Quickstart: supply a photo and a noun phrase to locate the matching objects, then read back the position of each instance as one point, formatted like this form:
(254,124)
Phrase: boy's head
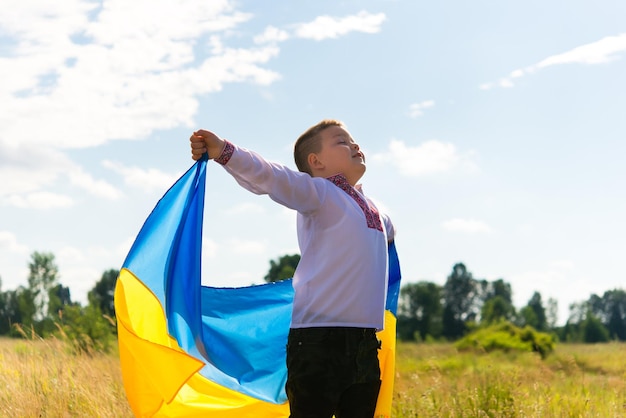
(311,142)
(327,149)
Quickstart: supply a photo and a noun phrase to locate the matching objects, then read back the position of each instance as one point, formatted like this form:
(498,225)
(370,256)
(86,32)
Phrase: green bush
(506,337)
(86,329)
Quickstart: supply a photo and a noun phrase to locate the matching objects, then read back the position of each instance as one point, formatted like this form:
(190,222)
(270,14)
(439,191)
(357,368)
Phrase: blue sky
(494,131)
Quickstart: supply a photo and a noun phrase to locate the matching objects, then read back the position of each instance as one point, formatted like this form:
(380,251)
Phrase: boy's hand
(204,141)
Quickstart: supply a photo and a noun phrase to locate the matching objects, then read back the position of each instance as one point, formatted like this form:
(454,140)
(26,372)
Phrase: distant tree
(490,290)
(497,301)
(4,322)
(616,309)
(577,312)
(102,293)
(282,269)
(459,294)
(527,316)
(610,310)
(496,309)
(539,320)
(419,311)
(503,289)
(58,297)
(3,303)
(86,329)
(10,313)
(41,278)
(552,313)
(593,330)
(572,331)
(26,307)
(595,305)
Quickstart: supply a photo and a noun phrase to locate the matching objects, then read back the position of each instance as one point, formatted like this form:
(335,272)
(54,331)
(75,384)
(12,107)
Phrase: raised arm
(290,188)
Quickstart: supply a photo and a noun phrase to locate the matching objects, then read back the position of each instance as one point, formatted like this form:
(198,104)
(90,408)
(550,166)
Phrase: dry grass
(575,381)
(43,379)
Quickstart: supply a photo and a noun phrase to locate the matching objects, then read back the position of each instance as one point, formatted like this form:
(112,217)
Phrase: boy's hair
(309,142)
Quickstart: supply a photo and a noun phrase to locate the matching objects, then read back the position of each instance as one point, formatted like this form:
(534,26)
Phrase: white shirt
(341,279)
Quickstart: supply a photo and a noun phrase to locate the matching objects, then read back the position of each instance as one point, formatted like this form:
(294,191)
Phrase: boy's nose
(355,146)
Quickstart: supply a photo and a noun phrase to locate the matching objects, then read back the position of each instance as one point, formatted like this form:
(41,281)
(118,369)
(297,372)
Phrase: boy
(340,283)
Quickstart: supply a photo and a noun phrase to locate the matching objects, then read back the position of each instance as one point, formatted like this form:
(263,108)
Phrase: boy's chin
(362,170)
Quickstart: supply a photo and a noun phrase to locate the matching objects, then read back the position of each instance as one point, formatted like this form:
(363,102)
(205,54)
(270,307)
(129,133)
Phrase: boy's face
(339,155)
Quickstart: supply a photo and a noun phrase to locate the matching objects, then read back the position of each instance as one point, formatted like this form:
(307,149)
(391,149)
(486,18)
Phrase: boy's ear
(314,161)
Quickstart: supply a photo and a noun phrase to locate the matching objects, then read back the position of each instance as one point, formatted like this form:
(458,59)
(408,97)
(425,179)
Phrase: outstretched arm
(205,141)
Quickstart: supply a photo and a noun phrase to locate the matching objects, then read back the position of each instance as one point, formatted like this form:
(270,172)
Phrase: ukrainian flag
(190,350)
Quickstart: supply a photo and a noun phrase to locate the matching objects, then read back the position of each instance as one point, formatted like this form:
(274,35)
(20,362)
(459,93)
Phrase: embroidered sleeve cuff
(227,152)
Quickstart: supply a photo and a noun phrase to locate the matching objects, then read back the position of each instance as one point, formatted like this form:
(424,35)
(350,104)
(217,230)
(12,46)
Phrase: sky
(495,132)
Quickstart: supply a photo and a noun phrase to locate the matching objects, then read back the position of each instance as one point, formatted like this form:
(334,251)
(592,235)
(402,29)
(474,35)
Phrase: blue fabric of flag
(237,331)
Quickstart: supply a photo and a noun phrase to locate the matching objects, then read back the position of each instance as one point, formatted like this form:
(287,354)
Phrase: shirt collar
(339,180)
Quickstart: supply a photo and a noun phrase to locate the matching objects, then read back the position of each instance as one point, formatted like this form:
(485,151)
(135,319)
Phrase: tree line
(427,311)
(44,308)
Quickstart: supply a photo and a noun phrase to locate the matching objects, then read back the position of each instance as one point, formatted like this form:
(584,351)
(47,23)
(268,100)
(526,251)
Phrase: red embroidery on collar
(226,153)
(371,214)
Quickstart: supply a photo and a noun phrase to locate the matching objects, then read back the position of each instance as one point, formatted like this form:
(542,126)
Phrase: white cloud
(12,272)
(40,200)
(271,35)
(417,109)
(471,226)
(325,27)
(23,169)
(134,61)
(120,20)
(235,65)
(32,170)
(125,68)
(246,208)
(603,51)
(129,68)
(9,244)
(239,246)
(78,177)
(146,180)
(431,157)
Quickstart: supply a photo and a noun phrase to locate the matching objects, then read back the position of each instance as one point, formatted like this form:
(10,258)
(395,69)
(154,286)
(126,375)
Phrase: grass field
(574,381)
(43,379)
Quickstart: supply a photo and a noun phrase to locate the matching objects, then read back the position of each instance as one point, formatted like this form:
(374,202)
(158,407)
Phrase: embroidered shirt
(341,279)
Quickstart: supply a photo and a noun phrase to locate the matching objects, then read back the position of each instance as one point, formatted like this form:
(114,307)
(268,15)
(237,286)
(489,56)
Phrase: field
(42,379)
(574,381)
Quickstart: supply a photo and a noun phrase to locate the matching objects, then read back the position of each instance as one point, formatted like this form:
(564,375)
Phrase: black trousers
(332,371)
